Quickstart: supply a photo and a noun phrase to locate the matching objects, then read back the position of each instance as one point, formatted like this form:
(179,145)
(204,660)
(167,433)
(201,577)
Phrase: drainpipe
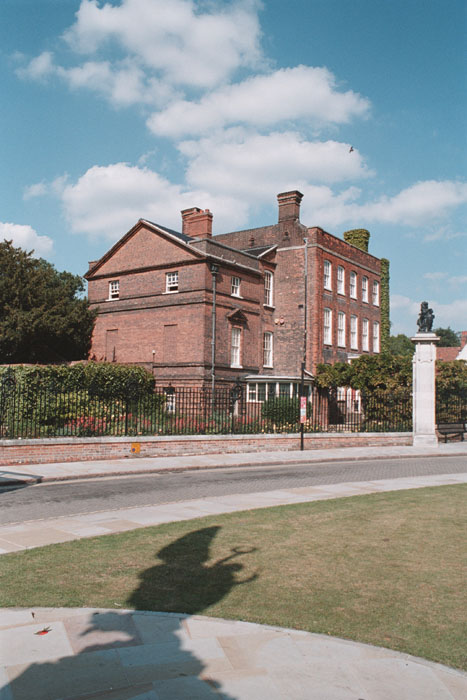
(305,302)
(214,271)
(305,336)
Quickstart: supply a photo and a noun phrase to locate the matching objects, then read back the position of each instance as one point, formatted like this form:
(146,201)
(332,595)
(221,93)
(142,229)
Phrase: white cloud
(38,68)
(24,236)
(420,204)
(233,180)
(435,276)
(443,233)
(254,167)
(123,83)
(263,100)
(188,43)
(438,276)
(107,201)
(42,189)
(39,189)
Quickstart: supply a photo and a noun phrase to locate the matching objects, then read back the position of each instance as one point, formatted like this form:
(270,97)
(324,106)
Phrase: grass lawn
(388,569)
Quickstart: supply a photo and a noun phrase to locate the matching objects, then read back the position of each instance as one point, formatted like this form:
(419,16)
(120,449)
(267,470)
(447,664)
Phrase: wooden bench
(452,429)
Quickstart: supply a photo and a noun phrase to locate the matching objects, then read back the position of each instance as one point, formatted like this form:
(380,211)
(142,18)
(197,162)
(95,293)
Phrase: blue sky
(127,109)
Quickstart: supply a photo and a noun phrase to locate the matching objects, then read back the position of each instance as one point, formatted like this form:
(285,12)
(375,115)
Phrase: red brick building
(458,352)
(276,296)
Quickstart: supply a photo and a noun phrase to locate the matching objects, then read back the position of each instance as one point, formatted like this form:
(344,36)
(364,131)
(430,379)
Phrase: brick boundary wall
(45,451)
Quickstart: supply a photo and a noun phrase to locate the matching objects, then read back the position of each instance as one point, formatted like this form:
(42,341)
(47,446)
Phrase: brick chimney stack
(289,205)
(463,339)
(197,222)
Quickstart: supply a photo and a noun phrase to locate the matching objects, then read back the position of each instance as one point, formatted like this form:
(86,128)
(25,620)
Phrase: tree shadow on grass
(122,655)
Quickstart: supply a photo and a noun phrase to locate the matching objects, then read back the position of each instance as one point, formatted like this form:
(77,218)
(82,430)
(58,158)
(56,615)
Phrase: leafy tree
(42,317)
(368,373)
(401,345)
(448,337)
(451,376)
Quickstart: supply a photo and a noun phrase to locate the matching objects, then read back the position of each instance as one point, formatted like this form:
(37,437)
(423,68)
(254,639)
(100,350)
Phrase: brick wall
(171,333)
(17,452)
(325,247)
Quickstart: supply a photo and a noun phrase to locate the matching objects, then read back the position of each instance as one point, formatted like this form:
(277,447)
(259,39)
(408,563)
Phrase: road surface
(54,499)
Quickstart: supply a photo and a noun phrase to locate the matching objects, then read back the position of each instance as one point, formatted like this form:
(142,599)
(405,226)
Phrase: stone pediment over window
(237,316)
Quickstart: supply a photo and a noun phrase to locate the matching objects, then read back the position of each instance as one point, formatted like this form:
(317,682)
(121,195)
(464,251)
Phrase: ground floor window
(262,391)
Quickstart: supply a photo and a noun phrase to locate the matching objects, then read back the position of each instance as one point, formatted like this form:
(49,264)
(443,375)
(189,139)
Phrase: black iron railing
(52,412)
(451,406)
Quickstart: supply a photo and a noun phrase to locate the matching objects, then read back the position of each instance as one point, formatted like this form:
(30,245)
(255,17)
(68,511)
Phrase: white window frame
(114,290)
(327,275)
(365,331)
(376,337)
(268,288)
(258,392)
(236,347)
(353,285)
(375,293)
(341,329)
(327,326)
(340,280)
(354,332)
(235,286)
(252,392)
(365,289)
(268,349)
(171,282)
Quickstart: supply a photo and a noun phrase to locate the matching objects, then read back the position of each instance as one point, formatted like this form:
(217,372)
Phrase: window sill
(174,291)
(269,306)
(236,366)
(268,366)
(236,296)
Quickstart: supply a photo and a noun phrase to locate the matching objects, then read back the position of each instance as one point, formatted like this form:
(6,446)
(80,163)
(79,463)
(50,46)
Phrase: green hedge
(99,379)
(282,410)
(84,398)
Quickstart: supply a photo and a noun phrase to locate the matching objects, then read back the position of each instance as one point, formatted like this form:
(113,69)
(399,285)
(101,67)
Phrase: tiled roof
(182,236)
(257,251)
(447,354)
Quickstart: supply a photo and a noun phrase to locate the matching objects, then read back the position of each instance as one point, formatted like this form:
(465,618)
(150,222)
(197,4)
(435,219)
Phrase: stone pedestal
(424,390)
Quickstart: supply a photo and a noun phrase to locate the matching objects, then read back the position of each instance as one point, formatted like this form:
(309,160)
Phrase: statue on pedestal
(425,319)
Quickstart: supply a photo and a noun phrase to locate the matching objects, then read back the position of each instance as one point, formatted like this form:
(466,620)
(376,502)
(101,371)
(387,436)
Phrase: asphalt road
(84,496)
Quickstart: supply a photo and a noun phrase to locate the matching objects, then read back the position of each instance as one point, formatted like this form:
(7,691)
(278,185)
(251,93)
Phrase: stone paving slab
(38,533)
(98,654)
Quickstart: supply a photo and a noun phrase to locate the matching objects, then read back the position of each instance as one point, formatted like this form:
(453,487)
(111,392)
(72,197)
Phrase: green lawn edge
(386,569)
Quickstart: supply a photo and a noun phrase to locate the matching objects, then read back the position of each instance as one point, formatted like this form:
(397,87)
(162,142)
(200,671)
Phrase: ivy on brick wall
(385,321)
(358,237)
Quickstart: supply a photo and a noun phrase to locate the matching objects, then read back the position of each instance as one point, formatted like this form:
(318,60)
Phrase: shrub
(282,410)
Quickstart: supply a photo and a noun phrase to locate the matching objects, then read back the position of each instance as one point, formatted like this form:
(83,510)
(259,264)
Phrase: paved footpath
(127,655)
(85,654)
